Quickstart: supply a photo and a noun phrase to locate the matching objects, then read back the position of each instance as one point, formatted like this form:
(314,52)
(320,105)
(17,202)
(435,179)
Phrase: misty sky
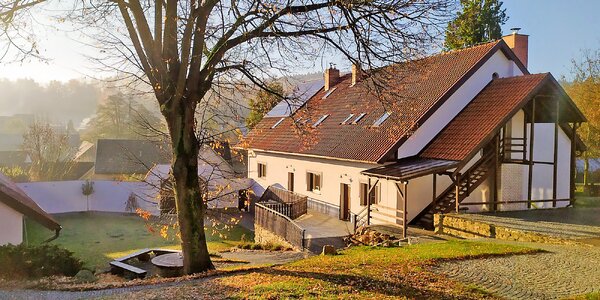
(557,29)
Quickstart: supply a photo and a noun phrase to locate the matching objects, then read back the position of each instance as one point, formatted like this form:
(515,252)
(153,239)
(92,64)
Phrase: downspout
(56,234)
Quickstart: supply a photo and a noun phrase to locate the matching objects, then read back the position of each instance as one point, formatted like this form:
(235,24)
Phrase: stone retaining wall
(264,236)
(457,226)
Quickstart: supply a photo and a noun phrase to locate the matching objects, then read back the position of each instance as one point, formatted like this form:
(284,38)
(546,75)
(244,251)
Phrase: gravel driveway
(560,272)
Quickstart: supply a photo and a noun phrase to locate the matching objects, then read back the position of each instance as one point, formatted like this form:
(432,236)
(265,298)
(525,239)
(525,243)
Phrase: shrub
(37,261)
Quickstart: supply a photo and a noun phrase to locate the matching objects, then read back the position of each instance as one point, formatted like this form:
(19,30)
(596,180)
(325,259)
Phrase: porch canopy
(409,168)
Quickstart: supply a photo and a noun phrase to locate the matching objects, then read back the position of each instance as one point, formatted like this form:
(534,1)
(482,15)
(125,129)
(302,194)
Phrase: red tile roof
(490,109)
(412,91)
(14,197)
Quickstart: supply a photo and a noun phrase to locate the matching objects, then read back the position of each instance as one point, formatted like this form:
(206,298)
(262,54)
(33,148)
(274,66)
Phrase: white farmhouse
(466,130)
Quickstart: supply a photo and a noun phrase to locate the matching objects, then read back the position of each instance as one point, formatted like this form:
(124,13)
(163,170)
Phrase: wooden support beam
(572,170)
(404,210)
(496,185)
(369,203)
(400,191)
(457,193)
(371,187)
(555,159)
(530,169)
(524,136)
(434,197)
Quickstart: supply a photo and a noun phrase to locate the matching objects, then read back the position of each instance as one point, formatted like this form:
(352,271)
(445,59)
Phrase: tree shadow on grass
(399,285)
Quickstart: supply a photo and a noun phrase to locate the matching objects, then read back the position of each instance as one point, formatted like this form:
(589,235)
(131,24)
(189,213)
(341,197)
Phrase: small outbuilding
(15,207)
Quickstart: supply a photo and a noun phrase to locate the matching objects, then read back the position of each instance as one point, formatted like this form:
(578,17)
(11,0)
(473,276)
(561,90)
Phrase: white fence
(111,196)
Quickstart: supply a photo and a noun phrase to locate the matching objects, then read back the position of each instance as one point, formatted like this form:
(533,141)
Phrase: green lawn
(98,238)
(357,273)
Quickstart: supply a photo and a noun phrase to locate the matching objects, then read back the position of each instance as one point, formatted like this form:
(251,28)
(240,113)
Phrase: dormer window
(329,92)
(381,119)
(277,123)
(359,118)
(347,119)
(320,120)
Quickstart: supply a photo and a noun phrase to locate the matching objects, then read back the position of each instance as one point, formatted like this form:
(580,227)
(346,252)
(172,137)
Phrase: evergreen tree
(118,117)
(479,21)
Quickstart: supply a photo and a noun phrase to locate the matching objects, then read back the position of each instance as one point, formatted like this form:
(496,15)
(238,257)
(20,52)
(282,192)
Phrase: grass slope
(99,238)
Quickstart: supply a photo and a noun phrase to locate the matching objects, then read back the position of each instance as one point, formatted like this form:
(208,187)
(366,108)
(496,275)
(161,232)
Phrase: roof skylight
(320,120)
(277,123)
(382,119)
(359,118)
(329,92)
(347,119)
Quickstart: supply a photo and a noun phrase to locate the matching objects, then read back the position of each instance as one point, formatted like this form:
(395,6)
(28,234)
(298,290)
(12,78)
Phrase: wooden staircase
(446,201)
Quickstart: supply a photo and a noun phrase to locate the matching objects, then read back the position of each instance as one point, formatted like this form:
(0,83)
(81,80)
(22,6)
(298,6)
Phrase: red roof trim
(501,45)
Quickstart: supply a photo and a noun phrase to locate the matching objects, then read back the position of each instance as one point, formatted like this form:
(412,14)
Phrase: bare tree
(52,156)
(193,53)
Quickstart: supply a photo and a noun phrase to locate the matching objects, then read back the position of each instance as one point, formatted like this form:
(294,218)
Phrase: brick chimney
(519,43)
(332,76)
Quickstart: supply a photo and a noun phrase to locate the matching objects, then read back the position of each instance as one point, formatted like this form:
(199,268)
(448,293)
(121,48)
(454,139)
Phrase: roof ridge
(460,49)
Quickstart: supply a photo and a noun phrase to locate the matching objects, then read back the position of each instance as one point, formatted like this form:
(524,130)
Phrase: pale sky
(558,31)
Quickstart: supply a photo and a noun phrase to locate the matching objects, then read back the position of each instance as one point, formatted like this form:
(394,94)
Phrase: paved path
(562,271)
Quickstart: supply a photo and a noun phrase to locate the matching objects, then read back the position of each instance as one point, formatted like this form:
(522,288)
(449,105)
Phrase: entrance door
(344,202)
(290,181)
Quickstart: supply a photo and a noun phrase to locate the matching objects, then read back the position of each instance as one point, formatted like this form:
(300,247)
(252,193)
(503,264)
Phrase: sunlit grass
(99,238)
(365,272)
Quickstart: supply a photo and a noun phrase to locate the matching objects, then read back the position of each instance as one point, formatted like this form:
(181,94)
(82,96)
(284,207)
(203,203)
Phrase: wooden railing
(280,225)
(360,219)
(510,145)
(285,202)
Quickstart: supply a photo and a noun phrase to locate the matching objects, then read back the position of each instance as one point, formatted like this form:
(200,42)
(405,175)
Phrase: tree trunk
(586,170)
(188,195)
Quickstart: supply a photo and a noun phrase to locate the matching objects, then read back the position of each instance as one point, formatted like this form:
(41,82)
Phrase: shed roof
(409,168)
(117,156)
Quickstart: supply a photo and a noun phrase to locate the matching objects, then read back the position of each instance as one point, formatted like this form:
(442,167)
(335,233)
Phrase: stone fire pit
(169,265)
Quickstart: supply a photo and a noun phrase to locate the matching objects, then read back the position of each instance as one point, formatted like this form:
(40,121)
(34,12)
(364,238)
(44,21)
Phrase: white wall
(497,63)
(109,196)
(543,151)
(334,173)
(11,225)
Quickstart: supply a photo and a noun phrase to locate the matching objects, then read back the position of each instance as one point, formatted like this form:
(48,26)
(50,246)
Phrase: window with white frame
(314,181)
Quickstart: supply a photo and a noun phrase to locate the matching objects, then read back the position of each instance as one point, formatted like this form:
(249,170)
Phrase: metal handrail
(280,214)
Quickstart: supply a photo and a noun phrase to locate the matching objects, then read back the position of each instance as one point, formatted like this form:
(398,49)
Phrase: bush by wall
(37,261)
